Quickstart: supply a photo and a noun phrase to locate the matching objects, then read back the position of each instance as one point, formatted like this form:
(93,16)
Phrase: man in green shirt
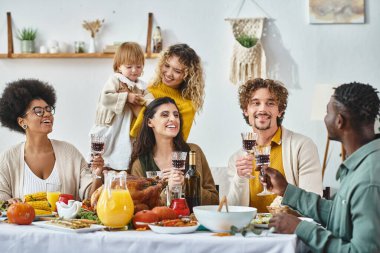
(351,221)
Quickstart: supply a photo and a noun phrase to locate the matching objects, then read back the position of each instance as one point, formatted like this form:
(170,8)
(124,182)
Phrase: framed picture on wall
(336,11)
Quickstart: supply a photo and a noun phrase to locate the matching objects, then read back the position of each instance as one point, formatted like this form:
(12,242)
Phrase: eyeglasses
(40,111)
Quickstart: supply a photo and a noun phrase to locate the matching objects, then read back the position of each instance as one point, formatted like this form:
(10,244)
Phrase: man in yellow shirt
(263,102)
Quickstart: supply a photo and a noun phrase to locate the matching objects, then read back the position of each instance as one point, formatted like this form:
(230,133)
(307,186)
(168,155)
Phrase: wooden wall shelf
(65,55)
(12,55)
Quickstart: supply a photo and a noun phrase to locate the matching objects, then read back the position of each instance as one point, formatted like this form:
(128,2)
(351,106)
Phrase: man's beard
(266,127)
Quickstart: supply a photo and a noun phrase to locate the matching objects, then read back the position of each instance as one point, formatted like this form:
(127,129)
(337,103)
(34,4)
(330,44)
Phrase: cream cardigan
(301,166)
(112,102)
(69,162)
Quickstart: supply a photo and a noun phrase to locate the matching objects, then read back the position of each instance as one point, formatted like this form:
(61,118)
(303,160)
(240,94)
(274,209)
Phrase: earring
(24,127)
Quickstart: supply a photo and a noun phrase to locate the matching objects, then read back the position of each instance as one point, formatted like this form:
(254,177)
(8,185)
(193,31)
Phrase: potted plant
(246,40)
(27,36)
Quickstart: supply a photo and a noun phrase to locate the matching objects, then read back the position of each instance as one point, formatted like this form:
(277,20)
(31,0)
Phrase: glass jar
(115,206)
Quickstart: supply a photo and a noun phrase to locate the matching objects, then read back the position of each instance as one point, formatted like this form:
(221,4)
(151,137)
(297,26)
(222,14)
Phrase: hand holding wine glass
(178,162)
(97,149)
(249,143)
(262,156)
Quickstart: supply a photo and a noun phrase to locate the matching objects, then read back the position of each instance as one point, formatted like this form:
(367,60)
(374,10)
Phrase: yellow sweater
(261,202)
(185,107)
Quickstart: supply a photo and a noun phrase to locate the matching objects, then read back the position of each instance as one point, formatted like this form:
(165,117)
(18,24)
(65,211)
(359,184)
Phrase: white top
(69,162)
(33,184)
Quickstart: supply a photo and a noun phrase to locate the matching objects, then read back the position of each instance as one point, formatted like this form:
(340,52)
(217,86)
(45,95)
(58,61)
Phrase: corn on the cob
(42,212)
(42,205)
(35,196)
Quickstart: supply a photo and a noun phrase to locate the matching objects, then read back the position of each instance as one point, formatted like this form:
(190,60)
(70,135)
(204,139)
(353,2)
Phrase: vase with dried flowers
(93,27)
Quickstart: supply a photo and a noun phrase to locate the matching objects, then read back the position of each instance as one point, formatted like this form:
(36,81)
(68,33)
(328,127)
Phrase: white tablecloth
(16,238)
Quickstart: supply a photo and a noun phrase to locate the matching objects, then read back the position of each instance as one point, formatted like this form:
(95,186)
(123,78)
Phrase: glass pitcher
(115,206)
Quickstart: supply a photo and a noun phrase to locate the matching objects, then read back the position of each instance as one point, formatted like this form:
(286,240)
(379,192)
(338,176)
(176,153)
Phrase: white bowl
(215,221)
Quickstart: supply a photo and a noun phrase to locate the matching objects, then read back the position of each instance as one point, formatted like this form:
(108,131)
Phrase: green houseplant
(27,36)
(246,40)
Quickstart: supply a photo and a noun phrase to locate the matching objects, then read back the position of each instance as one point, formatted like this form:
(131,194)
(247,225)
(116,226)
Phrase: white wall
(299,54)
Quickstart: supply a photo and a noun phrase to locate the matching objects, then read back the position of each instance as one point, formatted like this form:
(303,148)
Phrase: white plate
(48,225)
(37,218)
(173,230)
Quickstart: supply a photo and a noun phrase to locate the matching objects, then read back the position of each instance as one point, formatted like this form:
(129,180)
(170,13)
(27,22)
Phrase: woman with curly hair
(161,135)
(27,106)
(179,75)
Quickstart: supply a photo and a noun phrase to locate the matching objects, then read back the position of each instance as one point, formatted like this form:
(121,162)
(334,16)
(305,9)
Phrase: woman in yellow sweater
(179,75)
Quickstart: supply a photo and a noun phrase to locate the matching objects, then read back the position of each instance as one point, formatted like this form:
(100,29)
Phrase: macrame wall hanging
(248,58)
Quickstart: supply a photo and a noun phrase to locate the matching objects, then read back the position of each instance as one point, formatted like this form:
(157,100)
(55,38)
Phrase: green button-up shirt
(351,221)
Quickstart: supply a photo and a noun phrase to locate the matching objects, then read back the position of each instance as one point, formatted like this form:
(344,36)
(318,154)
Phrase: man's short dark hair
(360,100)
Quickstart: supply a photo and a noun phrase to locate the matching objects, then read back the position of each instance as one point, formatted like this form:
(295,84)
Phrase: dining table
(32,238)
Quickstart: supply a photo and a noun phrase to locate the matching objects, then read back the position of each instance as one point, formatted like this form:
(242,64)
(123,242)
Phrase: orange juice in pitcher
(115,205)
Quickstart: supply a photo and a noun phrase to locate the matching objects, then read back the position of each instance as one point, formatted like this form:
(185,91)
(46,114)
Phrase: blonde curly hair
(193,84)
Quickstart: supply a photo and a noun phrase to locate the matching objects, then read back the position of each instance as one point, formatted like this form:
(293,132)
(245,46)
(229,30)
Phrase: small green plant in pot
(246,40)
(27,37)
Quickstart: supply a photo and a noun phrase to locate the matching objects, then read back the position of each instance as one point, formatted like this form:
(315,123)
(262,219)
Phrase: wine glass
(178,162)
(262,157)
(154,174)
(97,148)
(249,143)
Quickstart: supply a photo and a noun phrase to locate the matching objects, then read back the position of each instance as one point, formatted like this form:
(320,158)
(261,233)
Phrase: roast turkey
(145,192)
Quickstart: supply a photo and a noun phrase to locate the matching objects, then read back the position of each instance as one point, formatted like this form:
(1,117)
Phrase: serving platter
(173,230)
(262,220)
(48,225)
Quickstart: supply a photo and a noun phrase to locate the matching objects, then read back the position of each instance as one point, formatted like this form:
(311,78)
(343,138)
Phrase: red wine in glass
(262,160)
(97,147)
(248,145)
(262,156)
(178,164)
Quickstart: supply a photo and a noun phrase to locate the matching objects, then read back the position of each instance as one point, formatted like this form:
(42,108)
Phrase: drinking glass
(97,148)
(249,143)
(52,194)
(178,162)
(180,206)
(115,205)
(154,174)
(262,156)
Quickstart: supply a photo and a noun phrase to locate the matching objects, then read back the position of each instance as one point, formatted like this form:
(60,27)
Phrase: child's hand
(134,98)
(123,89)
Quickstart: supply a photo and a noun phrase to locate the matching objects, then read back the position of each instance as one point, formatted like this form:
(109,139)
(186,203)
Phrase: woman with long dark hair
(160,135)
